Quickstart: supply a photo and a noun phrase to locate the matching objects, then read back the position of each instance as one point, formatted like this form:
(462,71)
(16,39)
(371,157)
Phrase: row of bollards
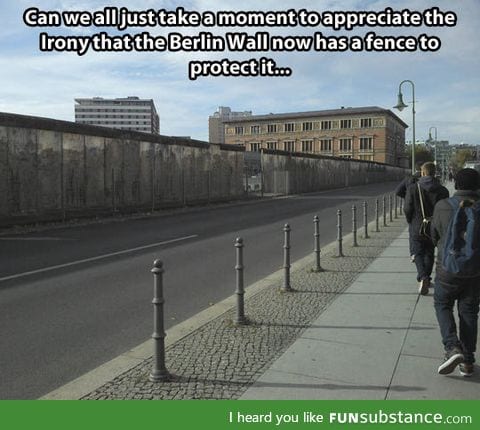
(159,371)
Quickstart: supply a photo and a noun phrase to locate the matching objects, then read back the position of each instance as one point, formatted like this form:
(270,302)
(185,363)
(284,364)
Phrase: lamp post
(400,106)
(435,144)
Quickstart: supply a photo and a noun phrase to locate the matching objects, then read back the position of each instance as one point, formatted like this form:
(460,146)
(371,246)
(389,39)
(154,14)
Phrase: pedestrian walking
(401,191)
(420,199)
(456,233)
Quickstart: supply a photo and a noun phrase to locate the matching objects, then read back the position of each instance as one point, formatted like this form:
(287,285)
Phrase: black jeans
(466,292)
(424,252)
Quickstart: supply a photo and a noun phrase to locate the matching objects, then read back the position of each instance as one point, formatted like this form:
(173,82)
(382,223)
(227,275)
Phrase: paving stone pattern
(220,360)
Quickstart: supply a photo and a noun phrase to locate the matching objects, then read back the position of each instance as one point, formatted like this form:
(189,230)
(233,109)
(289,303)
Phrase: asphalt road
(74,298)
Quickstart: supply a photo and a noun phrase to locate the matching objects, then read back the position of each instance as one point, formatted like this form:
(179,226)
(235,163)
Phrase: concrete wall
(285,173)
(52,168)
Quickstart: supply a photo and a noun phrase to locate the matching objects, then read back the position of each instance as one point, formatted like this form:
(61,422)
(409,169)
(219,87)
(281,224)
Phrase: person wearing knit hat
(451,288)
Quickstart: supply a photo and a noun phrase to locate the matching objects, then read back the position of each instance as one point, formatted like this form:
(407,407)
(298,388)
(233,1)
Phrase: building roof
(324,113)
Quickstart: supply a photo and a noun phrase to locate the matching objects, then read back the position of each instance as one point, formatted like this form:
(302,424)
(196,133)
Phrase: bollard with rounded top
(390,208)
(354,225)
(316,241)
(286,259)
(384,211)
(365,220)
(401,206)
(240,290)
(159,372)
(396,206)
(339,233)
(376,216)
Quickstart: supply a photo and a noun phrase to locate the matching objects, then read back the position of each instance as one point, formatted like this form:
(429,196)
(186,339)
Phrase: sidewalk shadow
(332,386)
(358,327)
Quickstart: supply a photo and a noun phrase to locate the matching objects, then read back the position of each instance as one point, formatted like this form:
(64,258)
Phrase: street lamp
(400,106)
(435,144)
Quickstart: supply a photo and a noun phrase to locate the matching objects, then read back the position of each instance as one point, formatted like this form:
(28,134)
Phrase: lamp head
(400,104)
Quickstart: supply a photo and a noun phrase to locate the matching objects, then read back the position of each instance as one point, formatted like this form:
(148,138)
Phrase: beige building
(365,133)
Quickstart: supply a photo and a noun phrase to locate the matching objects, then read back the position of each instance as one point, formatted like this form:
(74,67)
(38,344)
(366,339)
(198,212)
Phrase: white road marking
(99,257)
(35,238)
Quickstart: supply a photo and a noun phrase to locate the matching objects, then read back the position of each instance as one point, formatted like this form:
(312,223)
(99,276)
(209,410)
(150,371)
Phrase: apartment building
(129,113)
(216,132)
(365,133)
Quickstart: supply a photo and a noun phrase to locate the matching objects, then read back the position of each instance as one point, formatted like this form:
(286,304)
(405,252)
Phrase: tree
(460,158)
(422,154)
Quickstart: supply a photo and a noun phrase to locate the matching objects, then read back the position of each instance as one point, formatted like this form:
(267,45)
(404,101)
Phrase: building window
(307,145)
(255,129)
(255,147)
(289,127)
(366,123)
(289,145)
(326,145)
(326,125)
(366,144)
(346,123)
(345,145)
(271,145)
(239,130)
(307,126)
(272,128)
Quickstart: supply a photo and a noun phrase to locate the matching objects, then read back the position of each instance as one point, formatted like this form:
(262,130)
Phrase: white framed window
(307,126)
(271,145)
(289,145)
(239,129)
(366,144)
(345,123)
(345,144)
(254,129)
(307,145)
(325,145)
(289,126)
(272,128)
(366,123)
(326,125)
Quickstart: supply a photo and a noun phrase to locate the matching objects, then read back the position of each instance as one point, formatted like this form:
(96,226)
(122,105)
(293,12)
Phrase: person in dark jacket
(450,288)
(400,191)
(422,246)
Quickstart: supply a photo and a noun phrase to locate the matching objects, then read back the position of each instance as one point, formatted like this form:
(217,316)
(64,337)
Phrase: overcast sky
(447,82)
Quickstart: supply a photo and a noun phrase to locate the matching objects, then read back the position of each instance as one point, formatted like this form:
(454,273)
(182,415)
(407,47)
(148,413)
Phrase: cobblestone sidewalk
(220,360)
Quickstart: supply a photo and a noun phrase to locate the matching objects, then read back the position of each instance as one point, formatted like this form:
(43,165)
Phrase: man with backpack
(420,199)
(456,232)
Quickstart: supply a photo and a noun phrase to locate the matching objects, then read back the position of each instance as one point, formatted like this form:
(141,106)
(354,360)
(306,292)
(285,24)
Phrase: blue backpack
(461,252)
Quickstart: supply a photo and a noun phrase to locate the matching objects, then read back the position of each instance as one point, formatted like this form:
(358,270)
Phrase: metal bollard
(159,372)
(390,208)
(384,211)
(339,233)
(354,225)
(316,241)
(401,206)
(396,207)
(365,220)
(286,259)
(376,216)
(240,290)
